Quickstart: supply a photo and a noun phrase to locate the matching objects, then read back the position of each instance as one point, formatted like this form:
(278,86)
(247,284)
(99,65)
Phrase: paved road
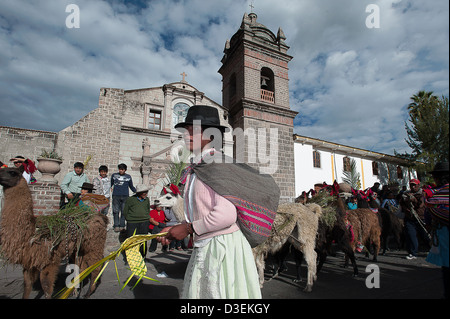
(399,279)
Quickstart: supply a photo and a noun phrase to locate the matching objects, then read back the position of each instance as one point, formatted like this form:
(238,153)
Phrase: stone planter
(48,167)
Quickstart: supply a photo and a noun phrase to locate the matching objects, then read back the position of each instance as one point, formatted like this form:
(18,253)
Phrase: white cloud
(350,84)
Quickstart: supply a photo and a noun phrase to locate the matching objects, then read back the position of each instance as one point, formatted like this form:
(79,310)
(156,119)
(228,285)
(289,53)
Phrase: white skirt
(223,269)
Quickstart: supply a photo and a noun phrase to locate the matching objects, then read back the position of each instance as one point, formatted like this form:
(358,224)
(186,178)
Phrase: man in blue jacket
(120,183)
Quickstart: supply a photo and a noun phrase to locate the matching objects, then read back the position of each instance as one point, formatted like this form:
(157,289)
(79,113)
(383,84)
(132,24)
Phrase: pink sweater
(213,215)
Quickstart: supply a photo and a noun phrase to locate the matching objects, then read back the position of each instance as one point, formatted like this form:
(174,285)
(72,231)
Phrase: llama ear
(164,190)
(174,189)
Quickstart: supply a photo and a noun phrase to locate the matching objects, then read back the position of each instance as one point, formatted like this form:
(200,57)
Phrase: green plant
(55,227)
(175,169)
(352,176)
(51,154)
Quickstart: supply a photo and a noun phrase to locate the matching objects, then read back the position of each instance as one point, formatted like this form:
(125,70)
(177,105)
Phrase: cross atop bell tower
(255,91)
(251,6)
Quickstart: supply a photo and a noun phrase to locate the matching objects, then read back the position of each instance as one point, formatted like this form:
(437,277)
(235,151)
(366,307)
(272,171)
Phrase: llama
(172,199)
(366,227)
(332,228)
(296,224)
(337,232)
(391,226)
(37,257)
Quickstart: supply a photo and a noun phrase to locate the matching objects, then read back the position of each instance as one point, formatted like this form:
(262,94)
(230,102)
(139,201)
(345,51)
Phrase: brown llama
(366,227)
(338,233)
(37,257)
(391,225)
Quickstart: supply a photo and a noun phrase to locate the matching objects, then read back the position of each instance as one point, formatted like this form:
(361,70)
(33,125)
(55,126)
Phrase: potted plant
(49,165)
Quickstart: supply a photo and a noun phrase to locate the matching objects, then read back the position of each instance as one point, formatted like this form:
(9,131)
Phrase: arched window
(179,113)
(267,85)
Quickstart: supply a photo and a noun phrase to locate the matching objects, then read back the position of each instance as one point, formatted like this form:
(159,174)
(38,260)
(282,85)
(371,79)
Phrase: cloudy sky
(350,83)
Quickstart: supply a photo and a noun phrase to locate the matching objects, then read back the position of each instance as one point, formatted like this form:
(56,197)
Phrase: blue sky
(350,84)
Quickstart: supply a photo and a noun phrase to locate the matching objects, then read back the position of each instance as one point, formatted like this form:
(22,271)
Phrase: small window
(375,168)
(316,159)
(154,120)
(399,172)
(347,166)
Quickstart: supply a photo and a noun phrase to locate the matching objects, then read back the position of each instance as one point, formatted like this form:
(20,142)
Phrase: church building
(136,127)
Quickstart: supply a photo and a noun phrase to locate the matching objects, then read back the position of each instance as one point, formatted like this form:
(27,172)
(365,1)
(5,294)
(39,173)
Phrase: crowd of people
(219,246)
(407,205)
(131,214)
(423,210)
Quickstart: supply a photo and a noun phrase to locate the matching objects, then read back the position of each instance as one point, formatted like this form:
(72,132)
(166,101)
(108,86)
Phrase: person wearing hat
(136,210)
(202,119)
(87,198)
(87,188)
(72,182)
(28,168)
(436,215)
(412,205)
(220,249)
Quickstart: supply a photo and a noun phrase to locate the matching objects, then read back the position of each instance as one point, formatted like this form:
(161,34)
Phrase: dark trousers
(139,229)
(118,203)
(413,229)
(154,243)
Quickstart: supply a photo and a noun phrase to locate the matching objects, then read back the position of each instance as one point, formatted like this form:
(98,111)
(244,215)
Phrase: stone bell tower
(255,91)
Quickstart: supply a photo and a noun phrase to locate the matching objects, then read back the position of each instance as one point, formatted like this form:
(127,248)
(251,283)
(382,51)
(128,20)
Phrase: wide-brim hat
(207,115)
(440,168)
(88,186)
(140,188)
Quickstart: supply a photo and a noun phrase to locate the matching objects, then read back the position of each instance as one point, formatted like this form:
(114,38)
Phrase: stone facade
(28,143)
(135,131)
(96,135)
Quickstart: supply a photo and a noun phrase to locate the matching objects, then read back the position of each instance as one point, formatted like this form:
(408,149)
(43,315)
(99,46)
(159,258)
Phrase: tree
(421,102)
(427,130)
(351,176)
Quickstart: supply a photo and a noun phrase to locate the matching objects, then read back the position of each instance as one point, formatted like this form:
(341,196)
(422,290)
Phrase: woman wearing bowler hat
(222,263)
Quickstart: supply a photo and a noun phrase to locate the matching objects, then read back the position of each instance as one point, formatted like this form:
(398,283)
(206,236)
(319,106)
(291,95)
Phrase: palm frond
(352,177)
(137,265)
(177,165)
